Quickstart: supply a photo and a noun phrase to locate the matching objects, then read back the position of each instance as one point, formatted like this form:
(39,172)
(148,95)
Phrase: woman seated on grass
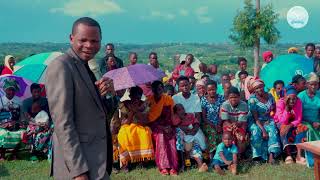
(134,137)
(38,132)
(226,155)
(288,117)
(211,124)
(310,99)
(11,126)
(191,133)
(264,133)
(234,114)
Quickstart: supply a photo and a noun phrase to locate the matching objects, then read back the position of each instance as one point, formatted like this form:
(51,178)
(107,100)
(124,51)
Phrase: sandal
(203,168)
(173,172)
(187,162)
(288,160)
(164,172)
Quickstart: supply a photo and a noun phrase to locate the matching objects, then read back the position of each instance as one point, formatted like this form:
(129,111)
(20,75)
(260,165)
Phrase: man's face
(36,93)
(184,86)
(86,41)
(317,53)
(243,65)
(109,50)
(225,78)
(153,60)
(133,59)
(309,51)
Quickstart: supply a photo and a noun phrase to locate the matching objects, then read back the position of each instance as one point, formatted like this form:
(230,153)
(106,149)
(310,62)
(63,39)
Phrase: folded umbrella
(133,75)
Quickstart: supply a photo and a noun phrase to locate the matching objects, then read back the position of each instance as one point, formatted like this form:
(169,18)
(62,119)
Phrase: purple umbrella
(24,85)
(134,75)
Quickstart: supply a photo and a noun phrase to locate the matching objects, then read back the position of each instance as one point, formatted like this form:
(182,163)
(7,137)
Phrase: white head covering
(6,60)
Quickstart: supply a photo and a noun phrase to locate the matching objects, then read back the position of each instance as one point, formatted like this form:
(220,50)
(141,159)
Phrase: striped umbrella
(34,67)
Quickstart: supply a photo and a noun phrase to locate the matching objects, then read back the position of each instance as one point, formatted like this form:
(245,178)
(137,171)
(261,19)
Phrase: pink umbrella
(24,85)
(134,75)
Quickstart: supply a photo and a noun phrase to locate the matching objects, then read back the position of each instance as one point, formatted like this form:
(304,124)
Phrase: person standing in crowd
(133,58)
(298,83)
(309,48)
(264,137)
(109,51)
(184,69)
(211,124)
(316,64)
(191,104)
(9,63)
(153,60)
(310,99)
(242,63)
(213,73)
(163,131)
(111,63)
(267,58)
(82,144)
(11,119)
(225,78)
(203,71)
(288,117)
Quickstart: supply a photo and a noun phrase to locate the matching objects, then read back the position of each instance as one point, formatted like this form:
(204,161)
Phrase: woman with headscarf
(310,99)
(267,58)
(288,118)
(264,137)
(10,118)
(163,131)
(184,69)
(134,136)
(9,62)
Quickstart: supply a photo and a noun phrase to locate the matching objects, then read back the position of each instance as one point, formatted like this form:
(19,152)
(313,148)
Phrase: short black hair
(86,21)
(35,86)
(309,44)
(131,53)
(153,53)
(298,78)
(190,55)
(168,87)
(110,44)
(192,77)
(136,91)
(233,90)
(241,59)
(317,47)
(243,72)
(278,82)
(211,82)
(155,85)
(182,78)
(205,76)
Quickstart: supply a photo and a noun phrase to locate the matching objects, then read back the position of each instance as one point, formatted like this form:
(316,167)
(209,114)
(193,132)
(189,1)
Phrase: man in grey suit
(82,147)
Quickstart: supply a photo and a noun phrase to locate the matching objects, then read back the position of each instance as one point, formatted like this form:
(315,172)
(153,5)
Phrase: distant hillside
(225,55)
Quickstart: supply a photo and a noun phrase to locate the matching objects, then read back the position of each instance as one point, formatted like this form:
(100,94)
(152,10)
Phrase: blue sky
(143,21)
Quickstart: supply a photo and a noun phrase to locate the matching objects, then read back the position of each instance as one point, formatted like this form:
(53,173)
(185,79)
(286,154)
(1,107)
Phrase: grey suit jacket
(81,139)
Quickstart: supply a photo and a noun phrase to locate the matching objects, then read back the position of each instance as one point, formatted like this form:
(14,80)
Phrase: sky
(144,21)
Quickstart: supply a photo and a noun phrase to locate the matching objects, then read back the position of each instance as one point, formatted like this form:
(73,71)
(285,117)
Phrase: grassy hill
(225,55)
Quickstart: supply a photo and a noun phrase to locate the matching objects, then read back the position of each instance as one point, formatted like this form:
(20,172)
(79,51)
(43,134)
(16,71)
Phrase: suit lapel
(85,77)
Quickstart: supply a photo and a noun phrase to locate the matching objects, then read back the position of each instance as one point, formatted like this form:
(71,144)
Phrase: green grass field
(23,169)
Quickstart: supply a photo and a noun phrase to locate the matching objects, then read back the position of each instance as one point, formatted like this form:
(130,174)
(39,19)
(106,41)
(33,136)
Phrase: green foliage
(249,25)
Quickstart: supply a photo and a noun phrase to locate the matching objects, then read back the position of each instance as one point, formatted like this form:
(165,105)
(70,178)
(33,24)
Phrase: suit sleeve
(60,93)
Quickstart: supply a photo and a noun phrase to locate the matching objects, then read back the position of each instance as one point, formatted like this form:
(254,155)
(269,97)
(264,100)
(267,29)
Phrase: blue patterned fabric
(212,110)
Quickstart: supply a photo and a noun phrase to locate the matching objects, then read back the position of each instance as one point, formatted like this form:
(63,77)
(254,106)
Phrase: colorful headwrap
(293,50)
(312,77)
(10,83)
(266,55)
(291,90)
(256,83)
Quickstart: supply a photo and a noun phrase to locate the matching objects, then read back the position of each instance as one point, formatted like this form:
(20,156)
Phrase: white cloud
(282,13)
(183,12)
(160,15)
(202,15)
(90,8)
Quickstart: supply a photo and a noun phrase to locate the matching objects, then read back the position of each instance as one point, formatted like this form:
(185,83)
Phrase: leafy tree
(251,24)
